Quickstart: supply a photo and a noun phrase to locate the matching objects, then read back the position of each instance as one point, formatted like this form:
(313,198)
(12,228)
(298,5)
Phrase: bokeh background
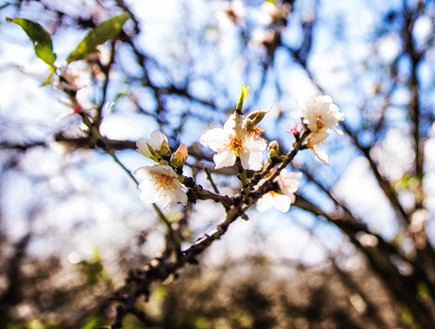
(355,251)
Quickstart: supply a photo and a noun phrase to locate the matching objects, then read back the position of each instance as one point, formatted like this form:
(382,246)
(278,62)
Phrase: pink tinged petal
(265,203)
(215,138)
(227,158)
(252,160)
(282,202)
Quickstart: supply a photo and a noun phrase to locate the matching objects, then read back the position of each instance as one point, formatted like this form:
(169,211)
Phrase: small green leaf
(40,37)
(242,98)
(101,33)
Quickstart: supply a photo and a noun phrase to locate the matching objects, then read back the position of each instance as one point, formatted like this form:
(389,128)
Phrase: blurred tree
(178,68)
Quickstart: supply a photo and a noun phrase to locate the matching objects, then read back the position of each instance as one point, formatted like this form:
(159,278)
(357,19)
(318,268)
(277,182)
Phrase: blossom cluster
(318,114)
(161,183)
(239,143)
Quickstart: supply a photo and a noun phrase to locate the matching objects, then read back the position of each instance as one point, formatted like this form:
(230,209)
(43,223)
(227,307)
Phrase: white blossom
(157,140)
(275,200)
(234,141)
(319,114)
(288,183)
(160,185)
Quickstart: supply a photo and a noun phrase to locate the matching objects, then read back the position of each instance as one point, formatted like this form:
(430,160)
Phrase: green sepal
(154,155)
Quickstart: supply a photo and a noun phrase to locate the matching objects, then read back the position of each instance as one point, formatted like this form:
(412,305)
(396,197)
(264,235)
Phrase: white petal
(165,199)
(251,160)
(288,182)
(232,122)
(223,159)
(142,172)
(157,138)
(325,99)
(148,194)
(162,170)
(265,202)
(214,138)
(142,147)
(338,131)
(282,202)
(255,143)
(317,137)
(180,196)
(321,156)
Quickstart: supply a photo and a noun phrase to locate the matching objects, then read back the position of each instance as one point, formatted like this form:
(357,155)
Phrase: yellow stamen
(164,182)
(236,144)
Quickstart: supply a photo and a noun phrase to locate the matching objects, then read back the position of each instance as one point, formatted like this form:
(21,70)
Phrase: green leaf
(40,37)
(242,98)
(101,33)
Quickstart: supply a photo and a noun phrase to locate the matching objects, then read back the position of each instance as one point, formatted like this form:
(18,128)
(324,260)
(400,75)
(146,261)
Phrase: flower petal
(255,143)
(251,160)
(321,155)
(157,139)
(215,138)
(265,202)
(282,202)
(142,147)
(227,158)
(141,173)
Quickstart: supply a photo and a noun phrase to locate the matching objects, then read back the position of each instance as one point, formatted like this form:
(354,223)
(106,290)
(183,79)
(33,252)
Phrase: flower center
(319,122)
(164,182)
(235,144)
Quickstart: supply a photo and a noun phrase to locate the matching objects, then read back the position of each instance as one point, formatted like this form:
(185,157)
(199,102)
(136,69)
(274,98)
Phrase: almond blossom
(235,141)
(160,185)
(156,145)
(319,114)
(288,183)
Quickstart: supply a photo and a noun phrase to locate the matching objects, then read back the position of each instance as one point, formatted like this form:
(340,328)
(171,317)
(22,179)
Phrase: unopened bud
(254,119)
(273,149)
(164,149)
(294,131)
(179,157)
(77,108)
